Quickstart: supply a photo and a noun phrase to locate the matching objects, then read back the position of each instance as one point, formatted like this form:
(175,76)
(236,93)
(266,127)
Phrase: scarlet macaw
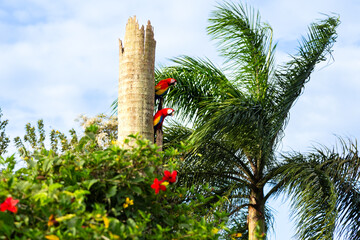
(160,116)
(163,87)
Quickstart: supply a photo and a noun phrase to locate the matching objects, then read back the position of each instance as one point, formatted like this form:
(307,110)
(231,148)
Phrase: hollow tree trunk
(256,218)
(136,82)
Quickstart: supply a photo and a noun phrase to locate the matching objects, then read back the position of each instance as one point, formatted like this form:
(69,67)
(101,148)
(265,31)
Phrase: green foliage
(323,186)
(58,141)
(4,140)
(107,128)
(85,192)
(239,111)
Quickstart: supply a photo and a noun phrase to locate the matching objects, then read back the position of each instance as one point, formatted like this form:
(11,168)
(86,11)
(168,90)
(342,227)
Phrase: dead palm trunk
(136,82)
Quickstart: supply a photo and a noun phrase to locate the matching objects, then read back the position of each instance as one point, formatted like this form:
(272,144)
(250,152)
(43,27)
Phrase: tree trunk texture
(256,217)
(159,139)
(136,82)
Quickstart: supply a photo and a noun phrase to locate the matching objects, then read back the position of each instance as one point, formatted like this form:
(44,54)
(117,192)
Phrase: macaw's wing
(157,87)
(158,120)
(161,92)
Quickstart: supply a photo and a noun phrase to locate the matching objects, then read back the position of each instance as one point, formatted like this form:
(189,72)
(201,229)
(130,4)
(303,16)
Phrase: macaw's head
(169,111)
(171,81)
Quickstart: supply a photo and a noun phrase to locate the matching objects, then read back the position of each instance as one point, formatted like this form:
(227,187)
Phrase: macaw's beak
(173,113)
(174,83)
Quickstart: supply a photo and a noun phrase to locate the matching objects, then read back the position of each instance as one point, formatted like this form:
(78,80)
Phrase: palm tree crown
(238,114)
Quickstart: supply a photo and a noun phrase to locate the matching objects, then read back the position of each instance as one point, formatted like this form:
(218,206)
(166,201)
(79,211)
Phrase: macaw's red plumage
(163,87)
(160,116)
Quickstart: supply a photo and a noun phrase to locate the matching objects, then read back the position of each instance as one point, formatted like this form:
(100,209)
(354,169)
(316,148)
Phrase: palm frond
(246,43)
(233,116)
(290,79)
(114,107)
(197,80)
(313,200)
(349,210)
(176,133)
(325,190)
(241,123)
(345,172)
(213,161)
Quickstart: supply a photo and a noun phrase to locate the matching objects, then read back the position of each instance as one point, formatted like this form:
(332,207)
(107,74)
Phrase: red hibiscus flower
(9,204)
(158,185)
(171,177)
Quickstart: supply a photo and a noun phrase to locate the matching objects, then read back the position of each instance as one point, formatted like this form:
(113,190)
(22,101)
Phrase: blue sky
(59,59)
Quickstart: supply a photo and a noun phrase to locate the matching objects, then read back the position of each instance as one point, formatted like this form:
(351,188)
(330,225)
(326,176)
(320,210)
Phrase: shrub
(85,192)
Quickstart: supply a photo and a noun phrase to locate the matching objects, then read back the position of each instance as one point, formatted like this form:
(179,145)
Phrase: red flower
(171,177)
(157,185)
(9,204)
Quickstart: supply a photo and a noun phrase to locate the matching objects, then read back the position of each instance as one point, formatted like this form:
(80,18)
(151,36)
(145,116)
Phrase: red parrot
(163,87)
(160,116)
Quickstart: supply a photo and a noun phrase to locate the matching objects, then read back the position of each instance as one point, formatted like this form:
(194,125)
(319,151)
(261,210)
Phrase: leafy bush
(4,140)
(80,191)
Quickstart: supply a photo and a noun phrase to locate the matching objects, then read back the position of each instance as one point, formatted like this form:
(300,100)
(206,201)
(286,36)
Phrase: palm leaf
(313,199)
(349,210)
(324,189)
(197,80)
(246,44)
(175,133)
(290,79)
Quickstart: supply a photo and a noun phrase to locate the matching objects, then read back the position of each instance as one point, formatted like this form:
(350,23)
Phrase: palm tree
(238,114)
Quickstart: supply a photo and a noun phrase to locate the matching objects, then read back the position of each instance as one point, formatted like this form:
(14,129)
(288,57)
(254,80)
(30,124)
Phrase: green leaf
(40,196)
(136,189)
(114,225)
(131,222)
(149,170)
(2,160)
(48,163)
(111,192)
(10,182)
(137,179)
(88,183)
(6,223)
(80,193)
(54,186)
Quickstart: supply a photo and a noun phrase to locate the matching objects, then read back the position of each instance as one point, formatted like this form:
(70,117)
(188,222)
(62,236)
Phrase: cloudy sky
(59,59)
